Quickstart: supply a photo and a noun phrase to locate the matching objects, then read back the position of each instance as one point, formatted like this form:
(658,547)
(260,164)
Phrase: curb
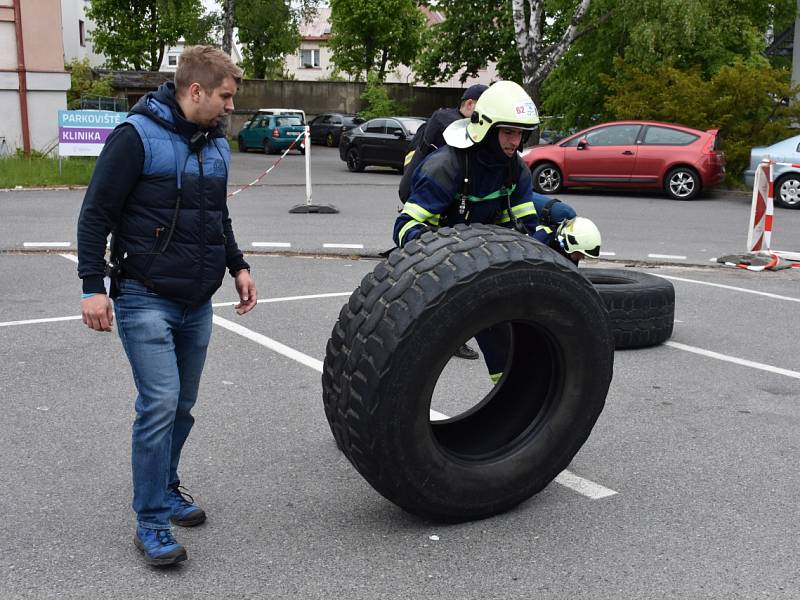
(371,255)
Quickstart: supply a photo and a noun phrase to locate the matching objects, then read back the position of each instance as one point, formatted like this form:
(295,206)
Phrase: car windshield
(412,124)
(288,122)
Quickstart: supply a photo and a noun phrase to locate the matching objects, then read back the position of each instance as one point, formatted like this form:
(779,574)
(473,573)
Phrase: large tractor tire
(641,307)
(400,328)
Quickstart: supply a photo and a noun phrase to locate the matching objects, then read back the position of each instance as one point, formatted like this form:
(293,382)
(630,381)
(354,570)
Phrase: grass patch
(38,171)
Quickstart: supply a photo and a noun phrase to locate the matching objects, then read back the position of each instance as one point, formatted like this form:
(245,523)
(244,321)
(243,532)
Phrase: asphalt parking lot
(685,489)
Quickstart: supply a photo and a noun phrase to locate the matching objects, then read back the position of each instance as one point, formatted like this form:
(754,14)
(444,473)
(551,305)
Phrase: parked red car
(643,154)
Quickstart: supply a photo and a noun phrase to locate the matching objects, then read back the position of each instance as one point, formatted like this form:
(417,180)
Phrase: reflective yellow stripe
(523,210)
(416,212)
(495,377)
(544,228)
(408,158)
(405,229)
(504,218)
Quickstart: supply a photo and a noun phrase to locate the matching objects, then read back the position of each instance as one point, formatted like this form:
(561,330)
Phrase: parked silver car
(787,174)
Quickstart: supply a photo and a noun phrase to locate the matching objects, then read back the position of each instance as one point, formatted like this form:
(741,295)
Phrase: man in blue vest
(160,187)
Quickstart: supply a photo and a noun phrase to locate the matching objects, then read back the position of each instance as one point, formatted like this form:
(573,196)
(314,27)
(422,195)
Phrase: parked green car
(272,133)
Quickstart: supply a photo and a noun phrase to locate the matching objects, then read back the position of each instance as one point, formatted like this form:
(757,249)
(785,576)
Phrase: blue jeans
(166,344)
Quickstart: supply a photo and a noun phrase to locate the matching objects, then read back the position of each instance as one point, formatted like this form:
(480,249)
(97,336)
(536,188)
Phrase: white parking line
(732,359)
(34,321)
(590,489)
(71,257)
(608,254)
(271,245)
(46,244)
(288,298)
(354,246)
(269,343)
(729,287)
(670,256)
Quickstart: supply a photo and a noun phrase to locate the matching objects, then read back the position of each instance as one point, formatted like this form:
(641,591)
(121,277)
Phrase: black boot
(465,351)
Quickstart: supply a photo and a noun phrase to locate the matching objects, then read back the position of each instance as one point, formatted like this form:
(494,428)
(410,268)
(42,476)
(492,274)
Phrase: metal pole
(23,85)
(796,49)
(307,141)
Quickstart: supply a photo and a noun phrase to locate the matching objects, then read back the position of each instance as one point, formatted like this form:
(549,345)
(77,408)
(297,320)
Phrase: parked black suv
(327,128)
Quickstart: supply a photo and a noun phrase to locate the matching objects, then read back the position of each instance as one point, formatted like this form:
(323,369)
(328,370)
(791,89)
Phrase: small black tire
(242,146)
(682,183)
(401,326)
(641,307)
(787,191)
(354,161)
(330,140)
(268,147)
(547,179)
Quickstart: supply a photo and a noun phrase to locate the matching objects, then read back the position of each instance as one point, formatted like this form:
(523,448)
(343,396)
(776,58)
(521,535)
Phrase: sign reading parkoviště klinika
(83,132)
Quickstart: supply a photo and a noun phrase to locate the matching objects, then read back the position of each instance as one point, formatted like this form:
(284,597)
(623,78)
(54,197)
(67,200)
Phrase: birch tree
(537,54)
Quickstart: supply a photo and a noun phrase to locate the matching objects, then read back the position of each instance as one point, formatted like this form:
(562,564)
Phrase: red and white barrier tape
(275,164)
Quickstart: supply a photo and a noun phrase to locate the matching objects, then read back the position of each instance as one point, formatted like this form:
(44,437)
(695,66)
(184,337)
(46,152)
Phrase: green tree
(377,101)
(268,30)
(134,35)
(685,34)
(472,36)
(526,38)
(84,83)
(748,102)
(374,35)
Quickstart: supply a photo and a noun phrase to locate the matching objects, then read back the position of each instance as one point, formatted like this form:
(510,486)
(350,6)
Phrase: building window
(81,33)
(172,60)
(309,58)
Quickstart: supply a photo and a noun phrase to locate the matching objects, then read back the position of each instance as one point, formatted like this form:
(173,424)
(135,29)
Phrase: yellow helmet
(504,104)
(579,235)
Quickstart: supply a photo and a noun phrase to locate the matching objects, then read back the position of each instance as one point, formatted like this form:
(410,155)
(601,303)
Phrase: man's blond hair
(205,65)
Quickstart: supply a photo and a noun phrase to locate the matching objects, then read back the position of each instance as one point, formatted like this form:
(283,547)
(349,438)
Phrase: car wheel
(788,191)
(242,146)
(354,161)
(267,147)
(398,331)
(641,307)
(547,179)
(329,140)
(682,183)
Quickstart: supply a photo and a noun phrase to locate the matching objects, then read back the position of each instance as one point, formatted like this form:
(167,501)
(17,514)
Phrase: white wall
(10,125)
(73,11)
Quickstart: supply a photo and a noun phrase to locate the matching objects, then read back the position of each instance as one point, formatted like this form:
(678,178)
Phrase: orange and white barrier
(759,232)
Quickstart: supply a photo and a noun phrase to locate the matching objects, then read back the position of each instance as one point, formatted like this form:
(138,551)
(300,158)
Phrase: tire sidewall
(354,164)
(535,176)
(697,183)
(572,315)
(779,184)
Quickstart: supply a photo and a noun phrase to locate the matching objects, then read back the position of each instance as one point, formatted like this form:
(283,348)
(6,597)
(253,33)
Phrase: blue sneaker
(159,546)
(185,512)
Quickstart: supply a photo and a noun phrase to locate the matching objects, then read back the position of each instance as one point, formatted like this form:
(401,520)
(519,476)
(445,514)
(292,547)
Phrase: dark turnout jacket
(165,203)
(431,140)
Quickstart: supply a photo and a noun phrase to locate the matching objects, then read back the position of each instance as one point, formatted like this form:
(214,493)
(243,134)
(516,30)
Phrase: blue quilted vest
(172,235)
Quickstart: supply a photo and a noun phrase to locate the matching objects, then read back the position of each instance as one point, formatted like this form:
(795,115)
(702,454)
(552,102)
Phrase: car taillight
(276,133)
(713,146)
